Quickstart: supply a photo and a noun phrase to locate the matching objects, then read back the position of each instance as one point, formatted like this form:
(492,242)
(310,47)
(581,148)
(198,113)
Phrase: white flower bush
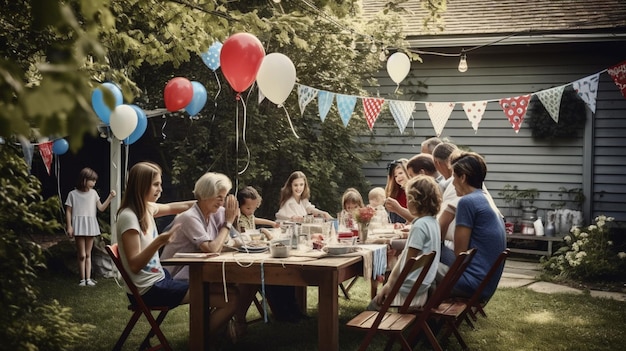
(588,254)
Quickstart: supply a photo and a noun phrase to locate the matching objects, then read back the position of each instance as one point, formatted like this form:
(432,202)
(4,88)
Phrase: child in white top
(82,223)
(294,200)
(376,198)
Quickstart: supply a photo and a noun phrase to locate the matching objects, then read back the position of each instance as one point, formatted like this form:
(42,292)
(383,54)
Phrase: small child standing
(423,201)
(376,198)
(82,223)
(249,200)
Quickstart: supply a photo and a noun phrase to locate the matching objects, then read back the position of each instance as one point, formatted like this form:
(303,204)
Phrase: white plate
(252,249)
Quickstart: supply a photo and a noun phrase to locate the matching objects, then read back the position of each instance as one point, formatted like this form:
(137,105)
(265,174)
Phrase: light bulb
(382,56)
(374,48)
(463,64)
(276,1)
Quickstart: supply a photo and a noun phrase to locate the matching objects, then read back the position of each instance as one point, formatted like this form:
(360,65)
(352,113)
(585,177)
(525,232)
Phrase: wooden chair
(393,323)
(457,309)
(433,307)
(476,304)
(139,308)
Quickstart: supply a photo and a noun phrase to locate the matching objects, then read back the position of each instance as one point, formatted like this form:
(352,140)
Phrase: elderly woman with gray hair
(205,227)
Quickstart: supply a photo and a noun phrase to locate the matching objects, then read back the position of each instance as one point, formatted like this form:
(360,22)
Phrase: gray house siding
(592,159)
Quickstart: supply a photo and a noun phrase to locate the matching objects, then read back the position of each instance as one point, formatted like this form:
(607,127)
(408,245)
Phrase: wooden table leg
(328,307)
(198,310)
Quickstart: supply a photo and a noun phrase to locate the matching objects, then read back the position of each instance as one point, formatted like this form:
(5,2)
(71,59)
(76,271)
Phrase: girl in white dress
(82,223)
(294,200)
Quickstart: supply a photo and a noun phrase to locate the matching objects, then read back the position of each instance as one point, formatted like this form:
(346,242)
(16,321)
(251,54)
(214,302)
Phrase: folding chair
(139,308)
(435,304)
(393,323)
(476,303)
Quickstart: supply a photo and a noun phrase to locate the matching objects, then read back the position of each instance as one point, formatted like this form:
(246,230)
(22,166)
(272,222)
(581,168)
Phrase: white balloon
(276,77)
(123,121)
(398,66)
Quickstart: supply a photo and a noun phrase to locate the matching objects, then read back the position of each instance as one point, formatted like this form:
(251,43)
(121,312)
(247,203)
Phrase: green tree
(27,323)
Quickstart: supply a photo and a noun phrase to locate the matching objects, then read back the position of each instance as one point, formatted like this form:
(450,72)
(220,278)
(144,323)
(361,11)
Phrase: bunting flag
(372,107)
(345,106)
(587,89)
(28,149)
(515,109)
(305,96)
(551,100)
(45,150)
(401,112)
(324,102)
(439,112)
(474,111)
(618,73)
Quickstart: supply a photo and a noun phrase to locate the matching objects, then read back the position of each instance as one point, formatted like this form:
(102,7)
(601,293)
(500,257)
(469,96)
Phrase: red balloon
(240,59)
(178,93)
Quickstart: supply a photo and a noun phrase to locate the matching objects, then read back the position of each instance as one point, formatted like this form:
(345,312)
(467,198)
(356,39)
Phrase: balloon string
(163,128)
(245,122)
(219,90)
(57,173)
(289,119)
(397,87)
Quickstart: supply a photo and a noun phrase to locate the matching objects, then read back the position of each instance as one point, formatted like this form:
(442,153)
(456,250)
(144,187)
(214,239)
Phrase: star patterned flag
(474,111)
(305,96)
(345,105)
(551,100)
(324,102)
(372,107)
(515,109)
(439,112)
(587,90)
(45,150)
(401,112)
(618,73)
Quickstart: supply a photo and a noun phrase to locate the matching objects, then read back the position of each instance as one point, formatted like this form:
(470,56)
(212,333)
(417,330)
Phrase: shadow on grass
(519,319)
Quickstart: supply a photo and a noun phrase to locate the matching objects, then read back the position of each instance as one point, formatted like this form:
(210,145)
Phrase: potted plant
(521,199)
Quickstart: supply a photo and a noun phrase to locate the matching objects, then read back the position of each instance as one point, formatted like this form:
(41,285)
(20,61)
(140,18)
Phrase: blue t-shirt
(487,236)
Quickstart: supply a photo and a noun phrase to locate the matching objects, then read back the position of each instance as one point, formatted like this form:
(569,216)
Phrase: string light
(382,56)
(463,64)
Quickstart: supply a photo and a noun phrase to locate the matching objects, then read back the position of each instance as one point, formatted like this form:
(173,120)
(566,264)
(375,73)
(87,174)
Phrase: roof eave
(503,39)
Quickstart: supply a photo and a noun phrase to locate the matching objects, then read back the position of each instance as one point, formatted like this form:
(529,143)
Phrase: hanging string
(289,119)
(219,90)
(245,122)
(163,128)
(57,173)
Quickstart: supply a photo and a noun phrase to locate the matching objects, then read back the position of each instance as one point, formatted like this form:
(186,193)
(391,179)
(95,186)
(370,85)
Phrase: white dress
(292,208)
(84,210)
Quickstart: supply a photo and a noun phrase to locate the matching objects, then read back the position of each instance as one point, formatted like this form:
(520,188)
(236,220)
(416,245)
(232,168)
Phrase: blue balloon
(97,101)
(142,124)
(211,58)
(60,146)
(198,100)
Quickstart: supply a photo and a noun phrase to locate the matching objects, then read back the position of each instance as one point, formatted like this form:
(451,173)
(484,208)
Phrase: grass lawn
(519,319)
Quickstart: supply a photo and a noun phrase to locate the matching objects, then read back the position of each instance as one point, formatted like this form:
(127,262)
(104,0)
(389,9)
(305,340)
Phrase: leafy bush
(588,254)
(26,323)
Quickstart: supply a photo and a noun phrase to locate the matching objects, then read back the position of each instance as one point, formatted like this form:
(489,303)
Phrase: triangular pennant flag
(551,100)
(474,111)
(618,73)
(45,150)
(401,112)
(324,102)
(372,107)
(587,89)
(439,112)
(261,96)
(305,96)
(515,109)
(345,106)
(28,150)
